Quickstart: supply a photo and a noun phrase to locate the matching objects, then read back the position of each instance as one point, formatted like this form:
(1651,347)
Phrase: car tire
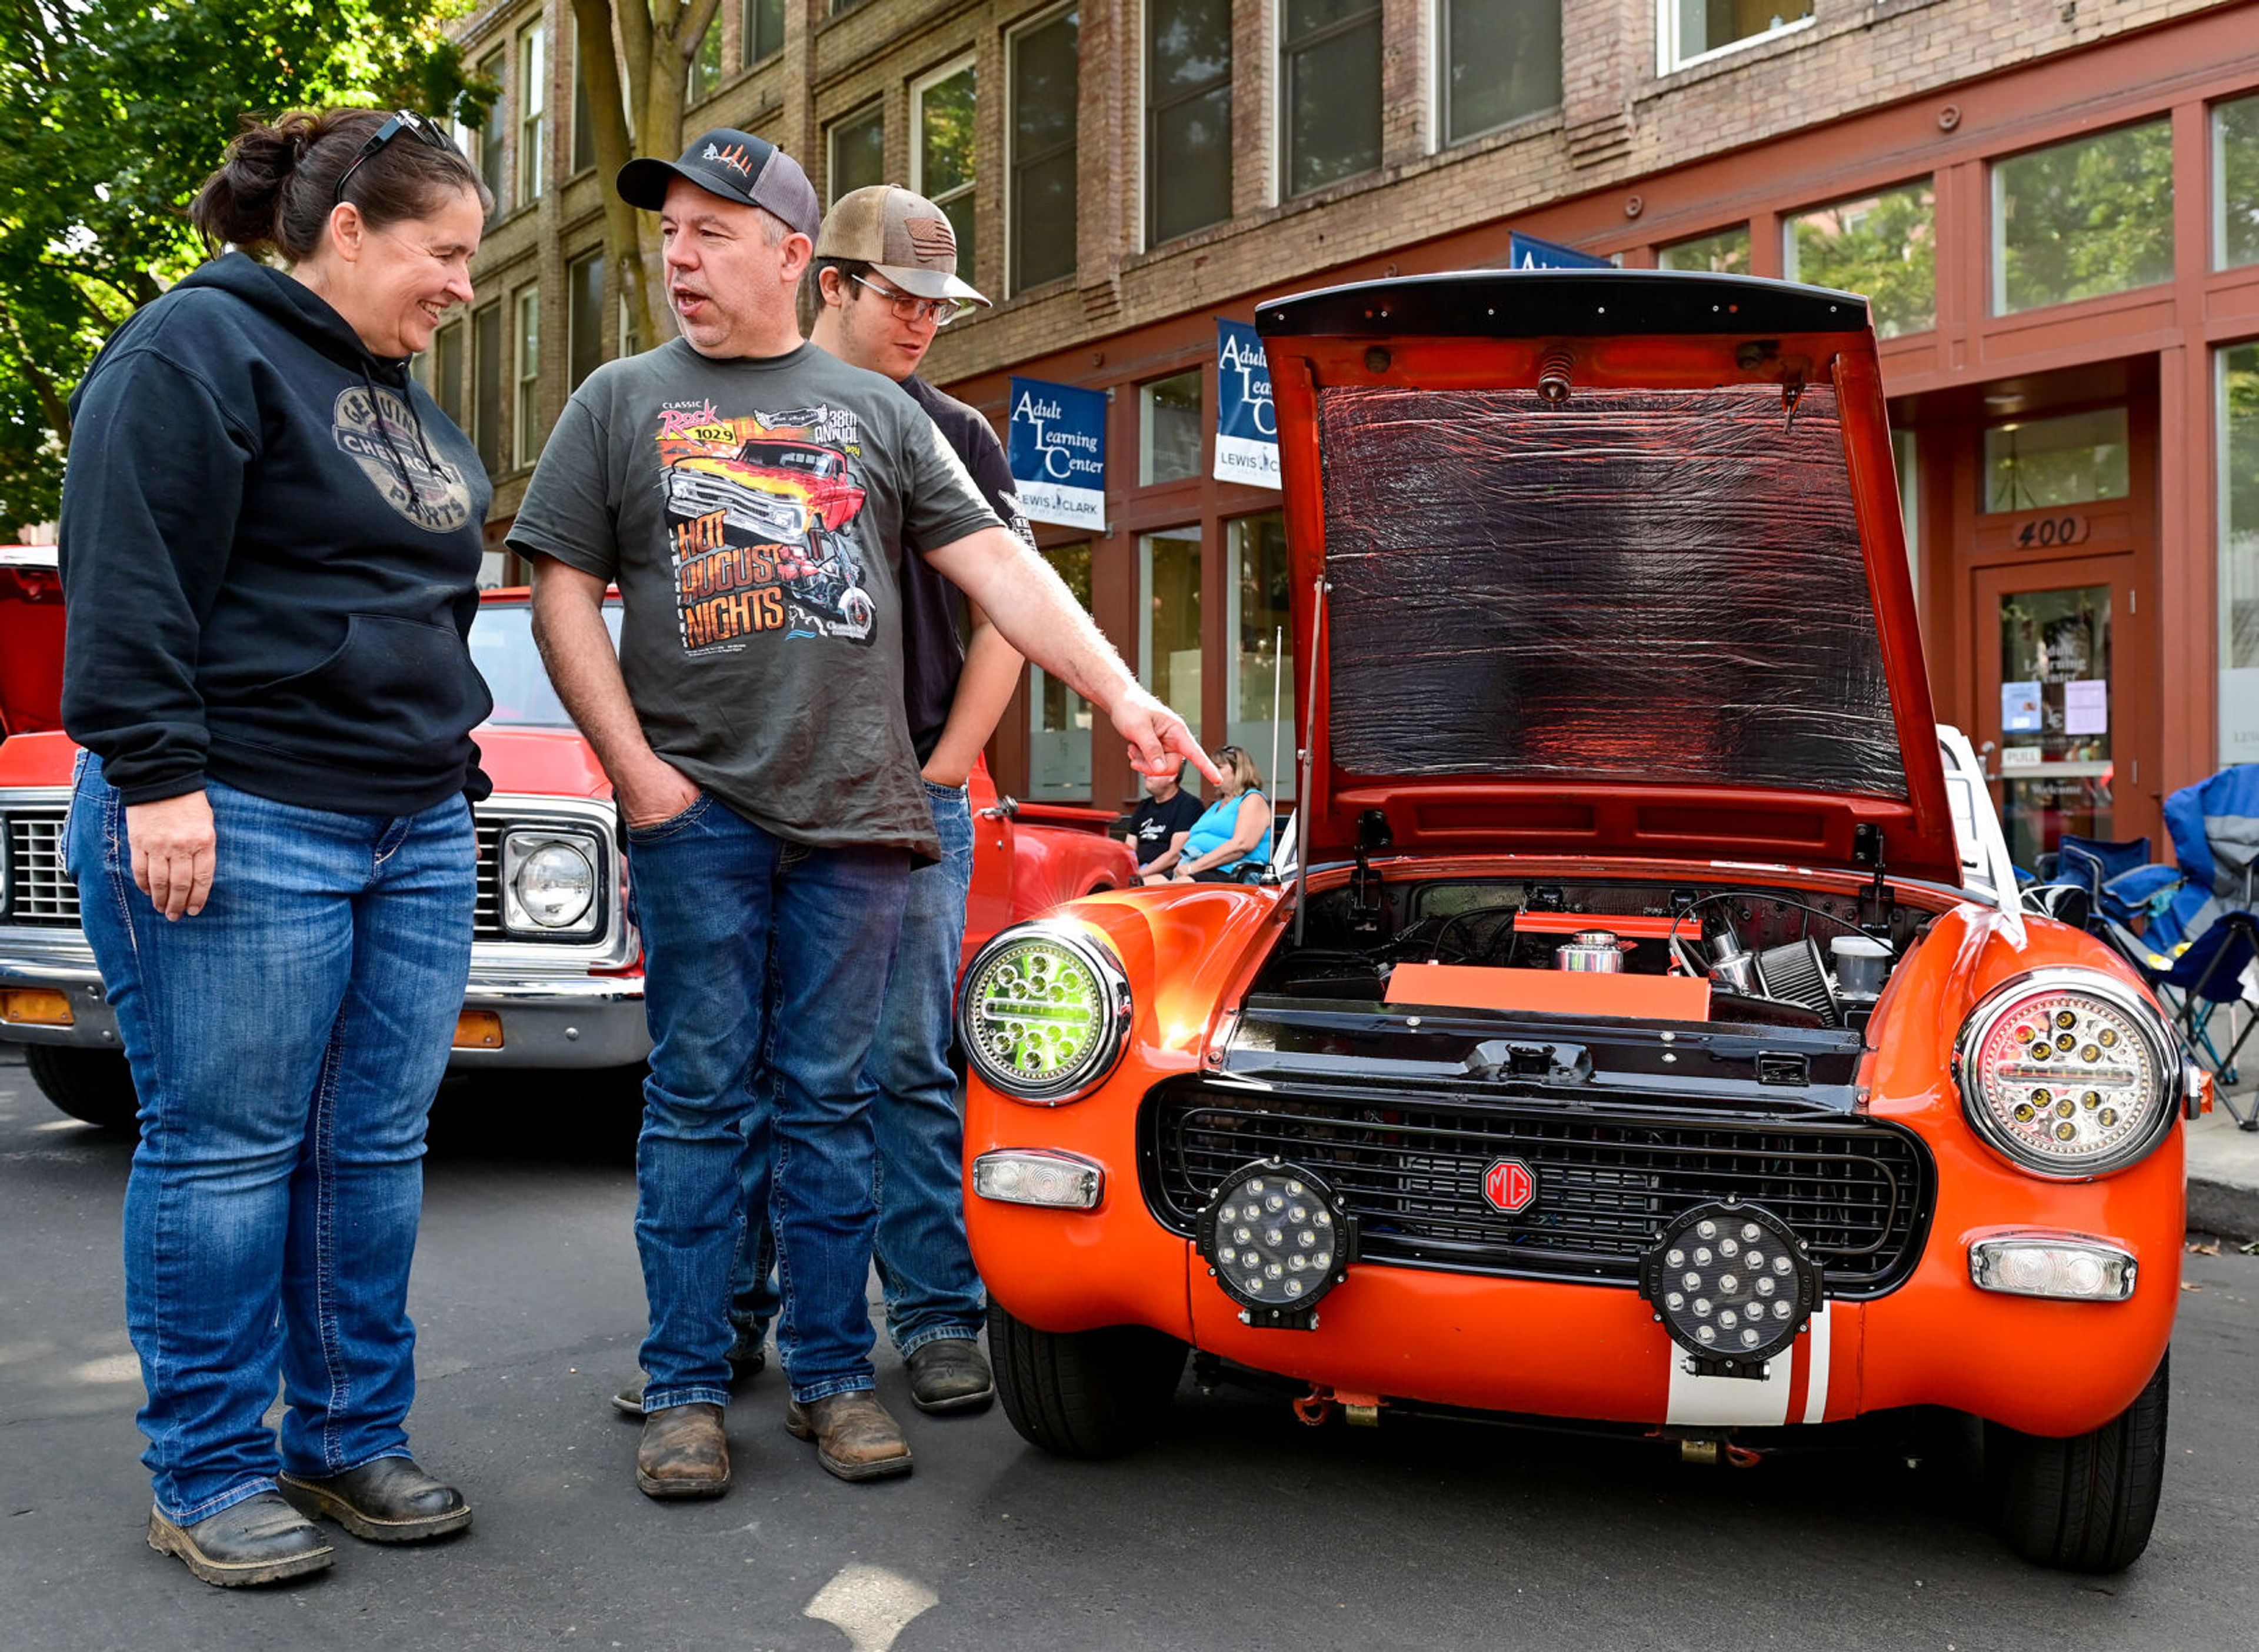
(1083,1393)
(2087,1503)
(93,1085)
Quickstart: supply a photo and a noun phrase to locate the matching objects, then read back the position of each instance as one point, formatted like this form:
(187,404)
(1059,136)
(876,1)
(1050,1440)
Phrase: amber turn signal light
(35,1007)
(478,1029)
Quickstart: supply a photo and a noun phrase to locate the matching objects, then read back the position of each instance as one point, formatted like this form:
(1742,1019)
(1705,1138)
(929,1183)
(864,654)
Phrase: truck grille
(38,892)
(1411,1169)
(486,909)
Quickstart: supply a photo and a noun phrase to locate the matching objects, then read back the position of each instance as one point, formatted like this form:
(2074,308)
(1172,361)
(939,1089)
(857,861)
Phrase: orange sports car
(1633,1039)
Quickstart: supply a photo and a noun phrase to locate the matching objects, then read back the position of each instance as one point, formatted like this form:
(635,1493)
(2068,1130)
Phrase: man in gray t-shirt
(750,496)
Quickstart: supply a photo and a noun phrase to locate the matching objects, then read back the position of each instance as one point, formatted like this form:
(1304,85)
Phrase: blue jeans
(286,1042)
(925,1262)
(727,910)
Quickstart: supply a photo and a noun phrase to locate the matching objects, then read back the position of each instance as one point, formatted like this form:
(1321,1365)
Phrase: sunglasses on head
(406,120)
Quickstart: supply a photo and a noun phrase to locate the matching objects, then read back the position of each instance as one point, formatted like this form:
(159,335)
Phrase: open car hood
(1601,562)
(30,640)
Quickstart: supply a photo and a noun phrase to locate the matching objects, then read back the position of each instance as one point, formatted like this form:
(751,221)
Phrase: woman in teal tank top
(1233,834)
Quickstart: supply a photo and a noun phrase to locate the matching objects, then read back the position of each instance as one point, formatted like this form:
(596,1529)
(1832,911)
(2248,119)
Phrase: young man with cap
(749,494)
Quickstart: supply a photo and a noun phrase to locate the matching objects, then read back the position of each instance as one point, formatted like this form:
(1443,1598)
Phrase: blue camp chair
(2200,932)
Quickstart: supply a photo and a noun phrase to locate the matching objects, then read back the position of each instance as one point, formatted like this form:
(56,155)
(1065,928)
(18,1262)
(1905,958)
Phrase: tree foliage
(2086,218)
(111,113)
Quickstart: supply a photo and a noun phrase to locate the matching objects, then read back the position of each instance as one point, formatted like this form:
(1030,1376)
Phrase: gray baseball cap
(903,237)
(736,166)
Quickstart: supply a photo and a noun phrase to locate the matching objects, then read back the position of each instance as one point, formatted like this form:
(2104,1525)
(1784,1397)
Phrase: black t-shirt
(933,656)
(1155,824)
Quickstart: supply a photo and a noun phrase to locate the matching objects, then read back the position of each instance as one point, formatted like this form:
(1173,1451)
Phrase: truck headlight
(549,882)
(2068,1074)
(1043,1012)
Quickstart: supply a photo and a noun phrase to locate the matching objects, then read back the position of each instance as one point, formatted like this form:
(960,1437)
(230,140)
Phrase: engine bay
(1766,957)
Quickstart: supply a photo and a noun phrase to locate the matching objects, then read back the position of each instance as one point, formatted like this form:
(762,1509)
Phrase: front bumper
(548,1021)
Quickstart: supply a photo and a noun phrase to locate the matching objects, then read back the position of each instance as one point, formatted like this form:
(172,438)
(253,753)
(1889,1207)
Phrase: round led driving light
(1283,1268)
(2068,1073)
(1721,1308)
(1044,1013)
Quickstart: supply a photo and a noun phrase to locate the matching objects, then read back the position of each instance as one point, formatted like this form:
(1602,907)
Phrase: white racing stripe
(1815,1387)
(1745,1402)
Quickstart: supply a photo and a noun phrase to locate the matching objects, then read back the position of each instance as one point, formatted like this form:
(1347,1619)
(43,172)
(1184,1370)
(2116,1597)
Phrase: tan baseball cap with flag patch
(902,237)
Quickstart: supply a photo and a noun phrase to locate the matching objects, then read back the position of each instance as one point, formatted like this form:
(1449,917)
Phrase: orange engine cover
(1551,991)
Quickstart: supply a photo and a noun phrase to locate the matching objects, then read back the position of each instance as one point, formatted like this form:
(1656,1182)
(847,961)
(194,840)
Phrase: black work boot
(388,1501)
(948,1374)
(261,1540)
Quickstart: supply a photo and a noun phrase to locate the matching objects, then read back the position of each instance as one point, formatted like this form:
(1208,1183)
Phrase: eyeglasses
(942,310)
(405,120)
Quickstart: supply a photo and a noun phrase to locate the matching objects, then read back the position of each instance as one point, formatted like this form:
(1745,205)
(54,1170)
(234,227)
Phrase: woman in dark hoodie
(270,546)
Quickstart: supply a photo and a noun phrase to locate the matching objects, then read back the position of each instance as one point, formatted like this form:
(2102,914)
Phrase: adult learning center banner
(1058,452)
(1246,426)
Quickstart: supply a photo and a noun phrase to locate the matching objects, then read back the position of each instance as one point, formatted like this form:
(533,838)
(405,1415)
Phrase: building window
(841,7)
(533,79)
(1691,28)
(1047,85)
(494,145)
(2235,183)
(1169,429)
(763,35)
(486,387)
(2039,464)
(631,329)
(584,111)
(584,319)
(1187,117)
(1882,244)
(446,370)
(857,150)
(1905,452)
(526,408)
(1169,612)
(942,108)
(1330,66)
(706,64)
(2090,216)
(1058,718)
(1726,253)
(2238,425)
(1259,698)
(1501,61)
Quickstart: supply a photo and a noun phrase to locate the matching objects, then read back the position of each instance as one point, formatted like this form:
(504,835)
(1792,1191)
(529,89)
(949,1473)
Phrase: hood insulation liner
(1633,585)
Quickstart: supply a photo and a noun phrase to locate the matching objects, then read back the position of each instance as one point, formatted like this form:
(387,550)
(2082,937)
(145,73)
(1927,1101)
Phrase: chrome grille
(38,892)
(1411,1168)
(486,911)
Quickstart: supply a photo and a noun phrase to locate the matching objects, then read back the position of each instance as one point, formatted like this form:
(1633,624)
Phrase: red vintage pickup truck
(546,991)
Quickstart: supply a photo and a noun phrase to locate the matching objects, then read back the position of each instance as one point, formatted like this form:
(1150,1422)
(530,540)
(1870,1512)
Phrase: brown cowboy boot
(683,1452)
(855,1438)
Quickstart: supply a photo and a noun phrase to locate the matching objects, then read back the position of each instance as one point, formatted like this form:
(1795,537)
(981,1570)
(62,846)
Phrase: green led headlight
(1043,1012)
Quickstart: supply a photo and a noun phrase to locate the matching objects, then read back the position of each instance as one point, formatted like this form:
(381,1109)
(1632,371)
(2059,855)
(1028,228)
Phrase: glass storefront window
(1726,253)
(2237,420)
(2090,216)
(1169,608)
(1884,246)
(1169,429)
(1502,61)
(1259,696)
(2038,464)
(1695,28)
(2235,183)
(2055,768)
(1330,52)
(1058,718)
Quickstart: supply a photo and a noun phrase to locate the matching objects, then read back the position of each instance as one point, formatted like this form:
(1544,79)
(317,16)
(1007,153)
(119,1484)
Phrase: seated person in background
(1157,826)
(1233,834)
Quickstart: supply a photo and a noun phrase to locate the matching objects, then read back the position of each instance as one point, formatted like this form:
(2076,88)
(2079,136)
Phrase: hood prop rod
(1319,586)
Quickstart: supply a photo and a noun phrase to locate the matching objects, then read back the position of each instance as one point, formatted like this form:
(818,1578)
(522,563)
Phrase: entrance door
(2062,676)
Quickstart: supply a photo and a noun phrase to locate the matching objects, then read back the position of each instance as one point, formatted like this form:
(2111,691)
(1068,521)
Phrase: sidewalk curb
(2223,1208)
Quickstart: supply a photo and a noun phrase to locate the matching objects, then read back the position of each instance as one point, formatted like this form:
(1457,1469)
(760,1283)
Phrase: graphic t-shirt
(1153,824)
(752,512)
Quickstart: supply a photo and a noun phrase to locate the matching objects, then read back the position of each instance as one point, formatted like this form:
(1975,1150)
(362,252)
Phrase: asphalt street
(1241,1530)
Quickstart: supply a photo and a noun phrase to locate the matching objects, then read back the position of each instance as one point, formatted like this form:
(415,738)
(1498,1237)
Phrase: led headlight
(1043,1012)
(1277,1239)
(549,883)
(2067,1073)
(1732,1284)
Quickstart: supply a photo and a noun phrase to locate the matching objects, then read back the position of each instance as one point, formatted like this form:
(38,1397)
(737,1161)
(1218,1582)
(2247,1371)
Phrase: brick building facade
(2056,201)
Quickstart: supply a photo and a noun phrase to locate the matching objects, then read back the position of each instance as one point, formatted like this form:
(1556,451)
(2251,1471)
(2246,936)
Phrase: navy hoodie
(270,544)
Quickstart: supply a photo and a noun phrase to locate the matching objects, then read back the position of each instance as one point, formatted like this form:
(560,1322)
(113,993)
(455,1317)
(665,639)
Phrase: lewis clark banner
(1246,427)
(1058,452)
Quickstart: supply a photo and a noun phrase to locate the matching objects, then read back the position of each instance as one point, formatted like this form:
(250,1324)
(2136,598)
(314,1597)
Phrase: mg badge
(1510,1185)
